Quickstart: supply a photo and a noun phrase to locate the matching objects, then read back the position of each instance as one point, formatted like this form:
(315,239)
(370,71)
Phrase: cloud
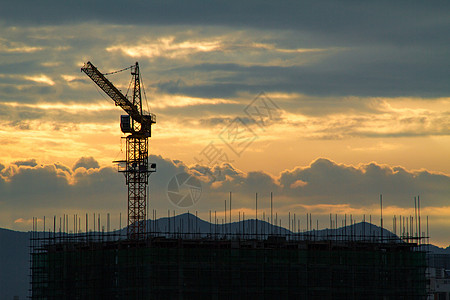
(40,79)
(322,183)
(16,47)
(167,47)
(339,74)
(29,163)
(298,183)
(326,182)
(296,47)
(27,222)
(341,118)
(322,187)
(397,22)
(62,167)
(29,186)
(87,163)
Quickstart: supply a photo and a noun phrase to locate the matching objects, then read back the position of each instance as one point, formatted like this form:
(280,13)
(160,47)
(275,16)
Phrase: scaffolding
(167,265)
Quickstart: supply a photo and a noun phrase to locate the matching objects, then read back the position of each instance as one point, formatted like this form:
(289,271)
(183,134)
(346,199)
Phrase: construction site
(102,266)
(184,257)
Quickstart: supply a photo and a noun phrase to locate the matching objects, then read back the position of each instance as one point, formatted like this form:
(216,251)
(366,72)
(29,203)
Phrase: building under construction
(232,266)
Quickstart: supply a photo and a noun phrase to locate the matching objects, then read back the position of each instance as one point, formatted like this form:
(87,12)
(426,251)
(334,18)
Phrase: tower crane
(137,125)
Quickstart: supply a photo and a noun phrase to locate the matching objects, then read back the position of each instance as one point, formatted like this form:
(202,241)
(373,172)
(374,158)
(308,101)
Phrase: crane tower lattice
(136,166)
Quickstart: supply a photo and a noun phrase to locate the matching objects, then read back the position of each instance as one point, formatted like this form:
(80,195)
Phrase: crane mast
(137,168)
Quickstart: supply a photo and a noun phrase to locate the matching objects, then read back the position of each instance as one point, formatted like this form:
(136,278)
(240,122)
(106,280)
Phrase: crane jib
(120,100)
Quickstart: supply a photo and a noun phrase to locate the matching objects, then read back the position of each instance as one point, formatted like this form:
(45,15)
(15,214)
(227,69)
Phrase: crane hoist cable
(118,71)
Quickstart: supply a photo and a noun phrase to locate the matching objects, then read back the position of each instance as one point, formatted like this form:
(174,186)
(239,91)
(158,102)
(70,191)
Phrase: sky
(325,104)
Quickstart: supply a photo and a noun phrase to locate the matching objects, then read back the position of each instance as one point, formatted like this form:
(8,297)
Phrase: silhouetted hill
(14,264)
(190,224)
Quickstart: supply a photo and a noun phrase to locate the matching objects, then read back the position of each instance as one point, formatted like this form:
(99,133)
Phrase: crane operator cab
(125,123)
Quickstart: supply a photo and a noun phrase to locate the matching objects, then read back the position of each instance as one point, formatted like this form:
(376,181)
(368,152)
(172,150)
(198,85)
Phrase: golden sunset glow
(325,116)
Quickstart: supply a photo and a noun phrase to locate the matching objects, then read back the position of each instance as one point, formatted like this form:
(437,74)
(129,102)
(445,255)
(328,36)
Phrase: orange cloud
(298,183)
(27,221)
